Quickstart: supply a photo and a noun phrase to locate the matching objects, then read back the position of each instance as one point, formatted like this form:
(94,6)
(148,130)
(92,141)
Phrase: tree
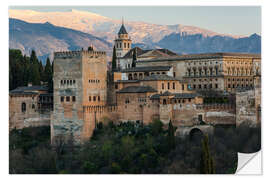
(171,136)
(114,59)
(35,75)
(48,74)
(34,69)
(207,163)
(134,58)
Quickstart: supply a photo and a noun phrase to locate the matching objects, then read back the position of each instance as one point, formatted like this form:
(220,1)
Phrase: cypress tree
(114,59)
(35,75)
(48,73)
(41,71)
(207,163)
(171,136)
(134,58)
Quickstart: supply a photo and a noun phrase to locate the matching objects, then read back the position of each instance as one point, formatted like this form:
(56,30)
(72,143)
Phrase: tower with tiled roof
(122,42)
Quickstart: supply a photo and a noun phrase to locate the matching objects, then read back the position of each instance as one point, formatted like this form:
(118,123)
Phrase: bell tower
(122,42)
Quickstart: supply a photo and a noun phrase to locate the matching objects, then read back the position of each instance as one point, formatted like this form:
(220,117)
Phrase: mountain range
(51,31)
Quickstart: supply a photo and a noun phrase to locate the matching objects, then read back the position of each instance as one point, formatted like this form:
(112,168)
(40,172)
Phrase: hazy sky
(237,20)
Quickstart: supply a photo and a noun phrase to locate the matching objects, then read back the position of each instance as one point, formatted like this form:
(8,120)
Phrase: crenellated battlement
(99,53)
(68,54)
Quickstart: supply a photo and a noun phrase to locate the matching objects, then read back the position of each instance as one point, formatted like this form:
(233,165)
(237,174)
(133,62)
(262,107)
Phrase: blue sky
(237,20)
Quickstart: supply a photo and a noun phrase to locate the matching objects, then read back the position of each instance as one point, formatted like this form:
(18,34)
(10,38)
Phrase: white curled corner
(249,163)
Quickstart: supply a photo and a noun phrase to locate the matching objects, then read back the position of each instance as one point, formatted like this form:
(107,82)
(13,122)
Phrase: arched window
(164,101)
(211,71)
(189,72)
(135,76)
(130,77)
(23,107)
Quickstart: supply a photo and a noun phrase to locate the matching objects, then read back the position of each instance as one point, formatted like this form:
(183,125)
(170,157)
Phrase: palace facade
(189,90)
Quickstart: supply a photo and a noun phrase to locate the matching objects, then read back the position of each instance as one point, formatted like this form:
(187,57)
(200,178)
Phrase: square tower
(79,82)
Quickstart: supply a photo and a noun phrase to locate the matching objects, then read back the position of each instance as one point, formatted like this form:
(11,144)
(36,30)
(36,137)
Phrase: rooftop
(122,30)
(147,69)
(176,95)
(30,88)
(137,89)
(150,53)
(202,56)
(161,77)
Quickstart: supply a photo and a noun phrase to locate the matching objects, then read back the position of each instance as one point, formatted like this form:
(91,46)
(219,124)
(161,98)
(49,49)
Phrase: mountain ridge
(45,38)
(107,28)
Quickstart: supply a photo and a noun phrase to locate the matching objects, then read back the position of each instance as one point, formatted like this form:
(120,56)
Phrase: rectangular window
(67,98)
(98,98)
(173,74)
(173,85)
(73,98)
(216,86)
(62,99)
(116,86)
(94,98)
(183,87)
(168,85)
(162,85)
(89,98)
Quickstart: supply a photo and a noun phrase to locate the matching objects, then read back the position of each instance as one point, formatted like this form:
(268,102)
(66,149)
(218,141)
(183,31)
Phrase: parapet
(70,54)
(67,54)
(94,53)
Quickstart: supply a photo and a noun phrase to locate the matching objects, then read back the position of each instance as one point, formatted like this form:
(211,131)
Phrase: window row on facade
(169,85)
(202,71)
(202,62)
(94,81)
(205,86)
(125,45)
(94,98)
(67,98)
(67,82)
(239,79)
(135,76)
(239,85)
(206,80)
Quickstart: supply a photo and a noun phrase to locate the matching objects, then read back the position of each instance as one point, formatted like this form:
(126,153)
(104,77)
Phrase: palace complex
(197,90)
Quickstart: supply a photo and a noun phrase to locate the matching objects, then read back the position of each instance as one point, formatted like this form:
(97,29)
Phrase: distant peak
(86,13)
(254,35)
(47,23)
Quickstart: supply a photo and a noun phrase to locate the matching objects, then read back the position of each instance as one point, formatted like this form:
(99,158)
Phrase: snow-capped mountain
(107,28)
(47,32)
(46,38)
